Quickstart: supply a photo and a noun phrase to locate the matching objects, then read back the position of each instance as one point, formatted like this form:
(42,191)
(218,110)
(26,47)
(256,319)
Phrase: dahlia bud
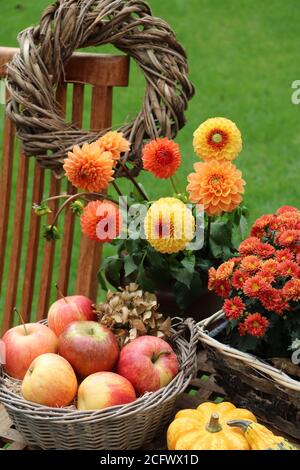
(77,208)
(51,233)
(41,209)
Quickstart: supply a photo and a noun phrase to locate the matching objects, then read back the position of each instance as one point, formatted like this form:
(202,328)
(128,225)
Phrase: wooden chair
(23,182)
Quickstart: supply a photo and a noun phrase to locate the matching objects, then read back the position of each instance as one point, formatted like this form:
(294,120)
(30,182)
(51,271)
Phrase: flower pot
(201,307)
(250,382)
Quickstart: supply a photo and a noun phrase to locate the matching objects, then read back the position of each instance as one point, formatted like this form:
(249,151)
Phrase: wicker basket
(270,394)
(125,427)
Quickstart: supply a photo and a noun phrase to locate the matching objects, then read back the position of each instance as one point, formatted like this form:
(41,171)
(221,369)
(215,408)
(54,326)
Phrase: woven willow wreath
(67,25)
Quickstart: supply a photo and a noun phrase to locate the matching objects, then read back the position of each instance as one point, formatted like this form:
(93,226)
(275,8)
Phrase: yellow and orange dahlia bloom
(114,142)
(101,221)
(89,168)
(218,139)
(217,185)
(169,225)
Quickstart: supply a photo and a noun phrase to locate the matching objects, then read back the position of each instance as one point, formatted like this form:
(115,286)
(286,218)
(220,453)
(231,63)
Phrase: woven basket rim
(272,373)
(148,401)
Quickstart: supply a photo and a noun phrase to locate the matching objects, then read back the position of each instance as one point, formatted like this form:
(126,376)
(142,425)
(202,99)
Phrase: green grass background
(243,57)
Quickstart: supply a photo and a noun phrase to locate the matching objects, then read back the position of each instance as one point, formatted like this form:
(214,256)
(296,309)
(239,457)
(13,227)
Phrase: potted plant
(255,349)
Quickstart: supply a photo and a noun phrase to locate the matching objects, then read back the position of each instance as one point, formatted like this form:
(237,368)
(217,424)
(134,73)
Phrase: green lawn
(244,56)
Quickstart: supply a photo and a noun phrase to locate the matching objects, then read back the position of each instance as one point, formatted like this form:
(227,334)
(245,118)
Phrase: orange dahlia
(115,143)
(161,157)
(89,168)
(101,221)
(217,185)
(225,270)
(217,139)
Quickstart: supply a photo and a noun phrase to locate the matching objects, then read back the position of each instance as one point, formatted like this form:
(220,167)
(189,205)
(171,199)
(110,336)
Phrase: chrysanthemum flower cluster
(264,279)
(216,183)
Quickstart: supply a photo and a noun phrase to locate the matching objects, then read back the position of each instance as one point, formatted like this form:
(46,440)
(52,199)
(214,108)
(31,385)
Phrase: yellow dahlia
(89,168)
(115,143)
(217,185)
(218,139)
(169,225)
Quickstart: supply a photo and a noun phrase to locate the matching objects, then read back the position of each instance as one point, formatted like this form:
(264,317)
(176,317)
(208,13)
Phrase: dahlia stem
(78,196)
(116,187)
(174,186)
(22,320)
(134,182)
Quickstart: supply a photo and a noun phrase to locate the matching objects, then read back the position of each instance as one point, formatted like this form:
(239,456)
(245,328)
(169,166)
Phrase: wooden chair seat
(30,266)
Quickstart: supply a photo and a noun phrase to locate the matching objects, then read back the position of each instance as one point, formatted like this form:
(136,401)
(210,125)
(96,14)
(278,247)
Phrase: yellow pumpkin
(206,428)
(261,438)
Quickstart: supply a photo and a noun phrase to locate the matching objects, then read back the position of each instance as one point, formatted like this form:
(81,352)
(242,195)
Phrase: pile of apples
(77,356)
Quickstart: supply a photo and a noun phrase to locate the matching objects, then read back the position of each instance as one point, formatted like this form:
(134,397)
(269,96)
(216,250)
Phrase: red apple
(67,310)
(24,343)
(50,381)
(104,389)
(149,363)
(89,347)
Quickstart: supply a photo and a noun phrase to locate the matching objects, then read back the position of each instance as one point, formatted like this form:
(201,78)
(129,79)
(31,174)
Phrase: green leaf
(204,264)
(182,275)
(216,250)
(129,265)
(188,263)
(113,264)
(221,232)
(144,281)
(101,280)
(182,296)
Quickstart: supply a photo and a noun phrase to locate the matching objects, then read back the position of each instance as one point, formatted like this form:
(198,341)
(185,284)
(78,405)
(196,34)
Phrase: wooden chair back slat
(17,238)
(68,232)
(50,247)
(40,257)
(91,252)
(32,245)
(6,182)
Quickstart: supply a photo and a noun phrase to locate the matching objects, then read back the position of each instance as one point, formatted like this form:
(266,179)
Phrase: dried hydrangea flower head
(131,313)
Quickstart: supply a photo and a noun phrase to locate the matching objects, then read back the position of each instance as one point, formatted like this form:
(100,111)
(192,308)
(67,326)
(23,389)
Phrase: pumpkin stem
(214,423)
(242,424)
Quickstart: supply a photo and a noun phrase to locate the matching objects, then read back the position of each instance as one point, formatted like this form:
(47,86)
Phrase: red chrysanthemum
(284,255)
(264,250)
(251,263)
(273,301)
(234,308)
(288,238)
(269,267)
(101,221)
(239,278)
(291,290)
(254,286)
(225,270)
(256,325)
(242,329)
(288,221)
(261,224)
(289,269)
(298,258)
(212,277)
(248,246)
(222,288)
(161,157)
(284,209)
(236,260)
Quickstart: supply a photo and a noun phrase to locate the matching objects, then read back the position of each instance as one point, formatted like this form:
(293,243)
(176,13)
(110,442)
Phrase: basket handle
(190,362)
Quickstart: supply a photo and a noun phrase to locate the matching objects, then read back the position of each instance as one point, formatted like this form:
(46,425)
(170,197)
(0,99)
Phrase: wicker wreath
(67,25)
